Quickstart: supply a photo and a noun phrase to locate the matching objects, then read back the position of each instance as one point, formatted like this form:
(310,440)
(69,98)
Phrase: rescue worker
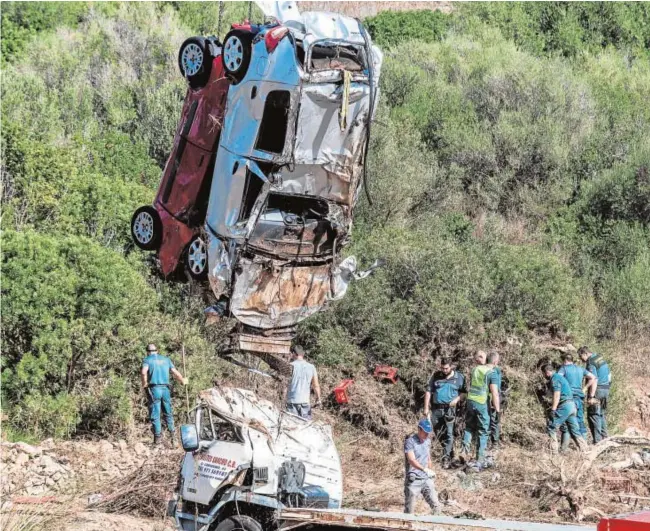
(155,380)
(495,416)
(446,387)
(419,474)
(576,377)
(563,408)
(477,418)
(303,378)
(597,403)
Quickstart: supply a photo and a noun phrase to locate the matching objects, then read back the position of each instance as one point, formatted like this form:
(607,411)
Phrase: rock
(106,447)
(57,476)
(140,449)
(48,443)
(34,491)
(21,459)
(37,481)
(121,444)
(95,498)
(28,449)
(49,482)
(637,460)
(49,465)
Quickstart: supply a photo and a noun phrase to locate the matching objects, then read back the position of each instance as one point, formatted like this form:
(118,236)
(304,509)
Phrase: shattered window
(273,129)
(206,432)
(333,56)
(252,189)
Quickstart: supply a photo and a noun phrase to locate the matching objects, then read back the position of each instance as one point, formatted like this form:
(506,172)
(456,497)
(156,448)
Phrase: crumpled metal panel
(278,436)
(175,237)
(270,294)
(220,266)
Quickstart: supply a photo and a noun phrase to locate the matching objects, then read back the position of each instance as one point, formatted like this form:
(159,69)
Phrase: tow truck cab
(246,457)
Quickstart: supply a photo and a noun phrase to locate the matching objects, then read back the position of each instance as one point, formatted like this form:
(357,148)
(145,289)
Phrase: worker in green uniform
(477,418)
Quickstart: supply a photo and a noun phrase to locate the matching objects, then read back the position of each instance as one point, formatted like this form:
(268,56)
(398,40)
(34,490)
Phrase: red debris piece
(341,392)
(626,522)
(386,372)
(35,499)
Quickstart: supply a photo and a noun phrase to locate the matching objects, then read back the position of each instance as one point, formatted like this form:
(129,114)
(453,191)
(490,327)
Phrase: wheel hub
(197,256)
(233,53)
(143,227)
(192,59)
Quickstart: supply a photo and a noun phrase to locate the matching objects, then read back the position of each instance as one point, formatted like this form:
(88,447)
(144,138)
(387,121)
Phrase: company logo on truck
(214,467)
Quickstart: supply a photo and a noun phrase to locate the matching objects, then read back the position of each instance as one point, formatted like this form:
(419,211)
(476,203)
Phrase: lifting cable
(221,7)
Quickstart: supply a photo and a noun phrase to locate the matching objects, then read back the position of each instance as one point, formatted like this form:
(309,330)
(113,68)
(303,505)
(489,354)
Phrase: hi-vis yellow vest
(478,391)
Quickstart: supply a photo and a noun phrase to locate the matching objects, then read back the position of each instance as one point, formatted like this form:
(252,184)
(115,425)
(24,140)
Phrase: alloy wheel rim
(192,59)
(143,227)
(197,256)
(233,53)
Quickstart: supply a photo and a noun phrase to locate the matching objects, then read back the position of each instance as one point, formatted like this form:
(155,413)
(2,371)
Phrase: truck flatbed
(313,518)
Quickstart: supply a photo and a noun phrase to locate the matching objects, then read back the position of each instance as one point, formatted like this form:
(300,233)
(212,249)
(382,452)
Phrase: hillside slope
(510,178)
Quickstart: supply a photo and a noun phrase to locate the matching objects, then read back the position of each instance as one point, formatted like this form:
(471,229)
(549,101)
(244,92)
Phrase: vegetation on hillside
(509,170)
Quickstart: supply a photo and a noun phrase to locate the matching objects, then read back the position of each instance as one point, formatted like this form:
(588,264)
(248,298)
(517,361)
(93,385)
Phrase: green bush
(389,28)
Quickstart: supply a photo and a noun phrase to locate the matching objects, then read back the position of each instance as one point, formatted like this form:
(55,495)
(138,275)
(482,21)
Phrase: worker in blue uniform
(577,378)
(563,409)
(156,369)
(597,405)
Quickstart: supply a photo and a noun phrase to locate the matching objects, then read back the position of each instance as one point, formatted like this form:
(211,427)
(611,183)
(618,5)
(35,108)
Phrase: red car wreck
(172,226)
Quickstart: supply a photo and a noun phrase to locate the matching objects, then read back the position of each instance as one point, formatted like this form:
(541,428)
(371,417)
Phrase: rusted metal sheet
(272,294)
(261,344)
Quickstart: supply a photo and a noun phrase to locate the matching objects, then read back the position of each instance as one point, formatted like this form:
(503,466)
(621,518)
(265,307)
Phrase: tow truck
(249,466)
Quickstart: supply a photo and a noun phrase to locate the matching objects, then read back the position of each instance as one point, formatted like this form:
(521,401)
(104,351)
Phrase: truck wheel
(237,49)
(239,523)
(195,61)
(196,258)
(146,228)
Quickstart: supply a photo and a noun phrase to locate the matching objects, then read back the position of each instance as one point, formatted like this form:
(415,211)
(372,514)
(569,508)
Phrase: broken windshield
(337,55)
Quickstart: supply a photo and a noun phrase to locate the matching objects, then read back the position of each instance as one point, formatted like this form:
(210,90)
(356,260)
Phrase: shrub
(393,27)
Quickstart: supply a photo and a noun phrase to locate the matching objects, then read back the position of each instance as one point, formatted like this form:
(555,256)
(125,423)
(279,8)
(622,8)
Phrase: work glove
(186,381)
(430,473)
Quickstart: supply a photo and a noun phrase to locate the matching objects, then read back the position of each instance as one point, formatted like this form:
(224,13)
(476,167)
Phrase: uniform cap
(425,426)
(151,347)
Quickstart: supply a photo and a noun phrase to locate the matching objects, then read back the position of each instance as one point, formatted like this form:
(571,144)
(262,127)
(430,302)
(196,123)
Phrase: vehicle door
(222,449)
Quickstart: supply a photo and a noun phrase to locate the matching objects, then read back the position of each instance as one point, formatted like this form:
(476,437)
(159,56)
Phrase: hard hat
(425,426)
(151,348)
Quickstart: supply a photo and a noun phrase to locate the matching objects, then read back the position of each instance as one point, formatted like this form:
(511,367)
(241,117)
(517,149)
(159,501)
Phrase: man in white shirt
(303,379)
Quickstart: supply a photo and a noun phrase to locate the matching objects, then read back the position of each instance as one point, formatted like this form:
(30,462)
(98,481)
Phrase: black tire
(237,50)
(239,523)
(196,258)
(146,228)
(195,56)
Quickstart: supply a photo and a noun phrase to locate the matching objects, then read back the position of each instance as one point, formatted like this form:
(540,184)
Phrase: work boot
(157,439)
(446,462)
(172,439)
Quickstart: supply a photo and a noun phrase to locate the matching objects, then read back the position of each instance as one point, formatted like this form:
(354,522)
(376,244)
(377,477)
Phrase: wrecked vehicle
(172,225)
(250,467)
(241,449)
(289,168)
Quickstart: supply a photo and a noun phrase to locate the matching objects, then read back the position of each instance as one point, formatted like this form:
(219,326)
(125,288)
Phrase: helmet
(151,348)
(425,426)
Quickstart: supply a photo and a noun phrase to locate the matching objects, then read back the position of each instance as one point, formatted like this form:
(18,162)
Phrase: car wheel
(196,259)
(239,523)
(195,61)
(146,228)
(237,54)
